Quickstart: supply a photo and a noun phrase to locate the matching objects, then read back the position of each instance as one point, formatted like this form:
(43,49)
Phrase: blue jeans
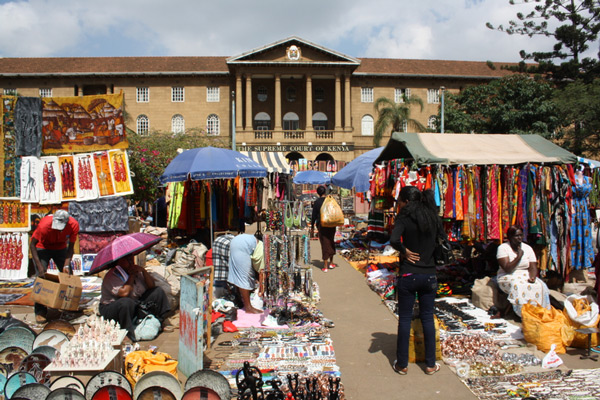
(425,286)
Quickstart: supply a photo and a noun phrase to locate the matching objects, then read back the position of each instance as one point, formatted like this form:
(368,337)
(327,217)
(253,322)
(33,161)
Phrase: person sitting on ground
(517,275)
(129,293)
(246,260)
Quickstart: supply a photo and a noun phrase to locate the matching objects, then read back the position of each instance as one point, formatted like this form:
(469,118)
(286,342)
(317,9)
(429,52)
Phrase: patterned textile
(582,249)
(101,215)
(83,124)
(221,256)
(28,126)
(8,145)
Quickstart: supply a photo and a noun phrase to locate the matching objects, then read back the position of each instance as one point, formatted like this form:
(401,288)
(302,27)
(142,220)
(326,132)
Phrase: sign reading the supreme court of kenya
(329,148)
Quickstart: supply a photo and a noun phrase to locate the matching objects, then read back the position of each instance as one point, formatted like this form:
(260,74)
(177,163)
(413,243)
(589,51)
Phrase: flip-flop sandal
(399,371)
(435,369)
(332,266)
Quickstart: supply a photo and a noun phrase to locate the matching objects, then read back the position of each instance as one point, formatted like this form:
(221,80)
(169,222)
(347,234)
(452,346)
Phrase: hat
(60,219)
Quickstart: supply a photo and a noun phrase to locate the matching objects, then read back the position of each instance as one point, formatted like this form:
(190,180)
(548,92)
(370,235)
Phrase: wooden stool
(589,332)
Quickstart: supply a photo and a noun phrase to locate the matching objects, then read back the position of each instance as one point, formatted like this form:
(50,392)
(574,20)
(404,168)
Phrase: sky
(413,29)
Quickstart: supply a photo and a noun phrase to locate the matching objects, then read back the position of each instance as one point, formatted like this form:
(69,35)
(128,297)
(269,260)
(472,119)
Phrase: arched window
(262,122)
(177,124)
(212,125)
(291,122)
(367,125)
(143,125)
(319,121)
(432,122)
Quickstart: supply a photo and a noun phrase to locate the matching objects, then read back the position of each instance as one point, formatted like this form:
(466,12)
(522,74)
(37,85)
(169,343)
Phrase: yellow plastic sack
(331,213)
(544,328)
(138,363)
(416,343)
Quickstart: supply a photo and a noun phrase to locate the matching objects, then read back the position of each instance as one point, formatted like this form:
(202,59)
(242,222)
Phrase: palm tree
(395,115)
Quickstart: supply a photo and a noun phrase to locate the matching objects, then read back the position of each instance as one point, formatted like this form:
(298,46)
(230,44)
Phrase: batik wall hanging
(28,126)
(14,256)
(67,178)
(103,174)
(8,146)
(31,179)
(101,215)
(86,183)
(119,164)
(50,189)
(83,124)
(14,215)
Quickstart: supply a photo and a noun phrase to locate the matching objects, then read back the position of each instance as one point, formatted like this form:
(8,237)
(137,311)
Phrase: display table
(113,362)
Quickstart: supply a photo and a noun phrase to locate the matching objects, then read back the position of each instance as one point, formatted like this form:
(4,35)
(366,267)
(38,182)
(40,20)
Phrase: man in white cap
(54,238)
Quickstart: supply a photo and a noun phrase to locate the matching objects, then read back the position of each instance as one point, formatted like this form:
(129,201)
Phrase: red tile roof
(166,65)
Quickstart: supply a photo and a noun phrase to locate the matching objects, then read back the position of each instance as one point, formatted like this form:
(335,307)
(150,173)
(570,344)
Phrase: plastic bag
(581,312)
(544,328)
(551,360)
(147,328)
(331,213)
(138,363)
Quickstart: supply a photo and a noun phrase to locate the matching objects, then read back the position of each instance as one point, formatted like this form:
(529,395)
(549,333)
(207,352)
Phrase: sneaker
(398,370)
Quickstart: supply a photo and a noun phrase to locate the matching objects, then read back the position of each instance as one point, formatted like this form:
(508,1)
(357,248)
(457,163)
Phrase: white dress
(516,284)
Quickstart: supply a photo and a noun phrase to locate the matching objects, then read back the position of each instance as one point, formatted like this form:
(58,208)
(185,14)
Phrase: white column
(249,118)
(309,112)
(278,102)
(338,103)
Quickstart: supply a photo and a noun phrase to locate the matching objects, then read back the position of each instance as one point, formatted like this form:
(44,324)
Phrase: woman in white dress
(517,275)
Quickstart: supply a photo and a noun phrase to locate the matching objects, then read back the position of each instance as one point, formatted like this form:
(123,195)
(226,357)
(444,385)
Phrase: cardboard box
(61,292)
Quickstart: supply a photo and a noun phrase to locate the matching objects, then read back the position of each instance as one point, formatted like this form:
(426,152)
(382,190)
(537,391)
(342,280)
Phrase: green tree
(579,104)
(150,155)
(574,24)
(515,104)
(395,115)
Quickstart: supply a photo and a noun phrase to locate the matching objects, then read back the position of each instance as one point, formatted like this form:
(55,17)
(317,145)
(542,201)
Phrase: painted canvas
(103,174)
(31,179)
(86,182)
(119,164)
(28,126)
(50,189)
(67,178)
(83,124)
(14,255)
(14,215)
(86,261)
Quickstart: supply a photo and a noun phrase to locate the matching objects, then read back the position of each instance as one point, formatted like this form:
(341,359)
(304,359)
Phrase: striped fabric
(273,161)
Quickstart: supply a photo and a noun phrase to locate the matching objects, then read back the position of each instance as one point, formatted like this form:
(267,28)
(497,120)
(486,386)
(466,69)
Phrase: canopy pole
(210,215)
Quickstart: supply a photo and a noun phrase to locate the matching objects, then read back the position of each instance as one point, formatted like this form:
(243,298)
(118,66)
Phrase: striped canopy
(273,161)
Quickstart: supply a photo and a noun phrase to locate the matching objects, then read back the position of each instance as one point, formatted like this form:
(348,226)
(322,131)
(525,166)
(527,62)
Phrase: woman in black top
(326,235)
(414,236)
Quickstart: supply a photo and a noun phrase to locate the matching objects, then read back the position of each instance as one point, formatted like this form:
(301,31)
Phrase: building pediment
(293,50)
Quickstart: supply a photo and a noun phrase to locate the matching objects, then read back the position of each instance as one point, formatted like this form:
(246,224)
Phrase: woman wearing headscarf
(416,229)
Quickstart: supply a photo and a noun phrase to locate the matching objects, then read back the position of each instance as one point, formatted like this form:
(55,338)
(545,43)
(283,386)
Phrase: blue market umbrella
(356,173)
(312,177)
(211,163)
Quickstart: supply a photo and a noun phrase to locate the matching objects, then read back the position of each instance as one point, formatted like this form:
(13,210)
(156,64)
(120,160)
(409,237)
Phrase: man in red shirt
(49,241)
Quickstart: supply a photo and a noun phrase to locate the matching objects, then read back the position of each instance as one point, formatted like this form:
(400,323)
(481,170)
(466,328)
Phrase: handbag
(442,254)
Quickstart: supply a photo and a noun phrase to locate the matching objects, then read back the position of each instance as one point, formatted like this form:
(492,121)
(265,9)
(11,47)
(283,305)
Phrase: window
(319,121)
(367,126)
(212,94)
(212,125)
(10,92)
(290,94)
(319,94)
(142,94)
(433,96)
(177,94)
(291,122)
(143,125)
(177,124)
(45,92)
(262,122)
(262,94)
(399,94)
(432,122)
(366,95)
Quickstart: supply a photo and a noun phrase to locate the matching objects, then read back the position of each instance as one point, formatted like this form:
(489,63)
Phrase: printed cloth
(221,256)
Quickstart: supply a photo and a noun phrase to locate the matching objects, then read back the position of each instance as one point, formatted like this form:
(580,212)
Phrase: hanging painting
(103,174)
(31,179)
(28,126)
(86,261)
(14,215)
(120,171)
(83,124)
(101,215)
(8,146)
(50,190)
(14,256)
(86,183)
(67,178)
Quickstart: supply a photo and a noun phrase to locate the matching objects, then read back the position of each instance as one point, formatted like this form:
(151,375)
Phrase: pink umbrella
(130,244)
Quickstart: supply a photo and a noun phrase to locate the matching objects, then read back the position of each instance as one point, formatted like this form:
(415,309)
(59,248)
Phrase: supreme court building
(291,96)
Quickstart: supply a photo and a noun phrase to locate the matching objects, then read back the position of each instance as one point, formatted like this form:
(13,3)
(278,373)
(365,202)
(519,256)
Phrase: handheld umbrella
(123,246)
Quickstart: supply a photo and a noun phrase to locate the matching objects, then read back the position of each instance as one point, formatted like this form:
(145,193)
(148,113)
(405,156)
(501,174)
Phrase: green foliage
(574,24)
(394,115)
(150,155)
(579,104)
(515,104)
